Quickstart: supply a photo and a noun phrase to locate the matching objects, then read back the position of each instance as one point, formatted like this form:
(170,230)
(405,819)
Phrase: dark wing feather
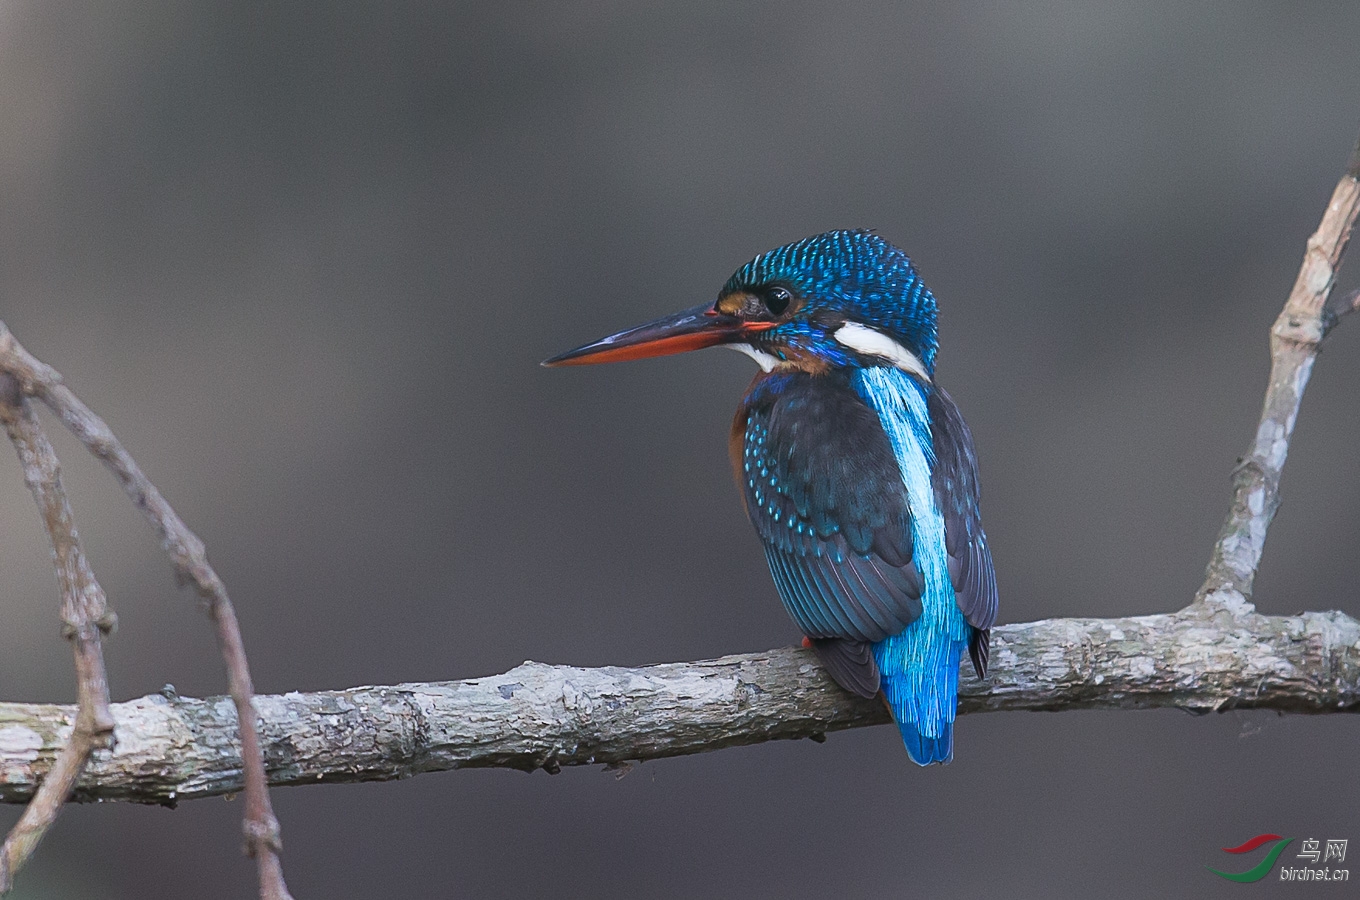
(850,663)
(955,478)
(823,489)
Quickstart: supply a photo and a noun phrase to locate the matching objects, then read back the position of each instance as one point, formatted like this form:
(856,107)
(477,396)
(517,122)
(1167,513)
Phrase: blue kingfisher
(855,468)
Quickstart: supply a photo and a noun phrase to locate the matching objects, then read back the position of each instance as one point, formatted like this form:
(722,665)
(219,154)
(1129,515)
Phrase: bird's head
(839,299)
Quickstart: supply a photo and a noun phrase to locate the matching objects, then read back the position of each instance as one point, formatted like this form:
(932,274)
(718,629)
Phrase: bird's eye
(777,300)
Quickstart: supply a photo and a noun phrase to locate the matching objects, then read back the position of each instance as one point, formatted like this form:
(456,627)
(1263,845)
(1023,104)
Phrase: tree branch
(190,560)
(1295,340)
(84,615)
(541,716)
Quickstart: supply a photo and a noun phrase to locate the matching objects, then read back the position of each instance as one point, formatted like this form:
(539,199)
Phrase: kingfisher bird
(854,466)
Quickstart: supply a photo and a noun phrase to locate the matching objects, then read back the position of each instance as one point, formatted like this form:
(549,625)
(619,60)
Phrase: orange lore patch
(735,303)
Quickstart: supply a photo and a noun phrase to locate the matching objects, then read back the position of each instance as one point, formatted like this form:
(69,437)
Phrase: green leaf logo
(1261,869)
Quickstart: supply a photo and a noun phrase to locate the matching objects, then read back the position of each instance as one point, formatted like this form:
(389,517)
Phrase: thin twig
(1295,340)
(84,615)
(191,565)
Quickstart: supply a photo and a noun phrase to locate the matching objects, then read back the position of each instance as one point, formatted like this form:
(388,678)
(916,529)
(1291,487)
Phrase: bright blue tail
(923,750)
(919,669)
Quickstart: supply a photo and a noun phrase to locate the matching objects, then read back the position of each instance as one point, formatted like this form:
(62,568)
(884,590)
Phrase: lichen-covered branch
(540,716)
(84,616)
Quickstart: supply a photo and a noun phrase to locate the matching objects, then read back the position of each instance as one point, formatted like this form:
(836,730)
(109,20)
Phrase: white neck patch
(871,342)
(763,359)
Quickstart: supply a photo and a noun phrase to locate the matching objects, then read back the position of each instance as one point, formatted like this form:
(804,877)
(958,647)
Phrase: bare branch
(190,560)
(1294,343)
(542,716)
(84,615)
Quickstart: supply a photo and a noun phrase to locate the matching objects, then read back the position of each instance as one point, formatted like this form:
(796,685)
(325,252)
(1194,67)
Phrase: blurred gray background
(305,260)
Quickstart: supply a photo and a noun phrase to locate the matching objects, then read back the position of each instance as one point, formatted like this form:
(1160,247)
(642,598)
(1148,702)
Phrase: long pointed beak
(692,329)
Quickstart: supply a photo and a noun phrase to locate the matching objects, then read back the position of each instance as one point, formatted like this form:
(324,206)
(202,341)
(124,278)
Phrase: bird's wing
(823,489)
(955,478)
